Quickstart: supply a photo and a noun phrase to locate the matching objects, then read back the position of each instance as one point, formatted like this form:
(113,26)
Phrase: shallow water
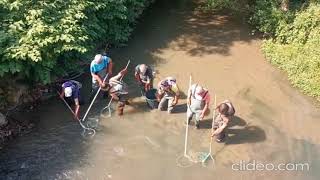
(274,124)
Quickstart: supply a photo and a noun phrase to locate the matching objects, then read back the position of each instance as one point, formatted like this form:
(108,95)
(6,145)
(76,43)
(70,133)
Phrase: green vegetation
(293,31)
(41,40)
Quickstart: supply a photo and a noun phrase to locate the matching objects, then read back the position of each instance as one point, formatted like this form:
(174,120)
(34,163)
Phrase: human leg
(170,105)
(189,115)
(198,118)
(162,103)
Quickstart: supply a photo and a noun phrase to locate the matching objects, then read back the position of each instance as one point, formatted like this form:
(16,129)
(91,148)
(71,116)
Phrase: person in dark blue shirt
(71,93)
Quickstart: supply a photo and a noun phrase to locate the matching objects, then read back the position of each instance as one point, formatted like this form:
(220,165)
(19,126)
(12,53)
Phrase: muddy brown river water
(274,122)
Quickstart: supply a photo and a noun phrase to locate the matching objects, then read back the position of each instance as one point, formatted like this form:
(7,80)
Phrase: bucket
(151,99)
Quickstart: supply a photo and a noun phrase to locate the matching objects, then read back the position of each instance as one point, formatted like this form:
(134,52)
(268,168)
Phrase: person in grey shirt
(144,75)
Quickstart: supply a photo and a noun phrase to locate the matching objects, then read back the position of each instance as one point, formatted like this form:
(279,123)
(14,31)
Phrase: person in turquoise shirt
(99,68)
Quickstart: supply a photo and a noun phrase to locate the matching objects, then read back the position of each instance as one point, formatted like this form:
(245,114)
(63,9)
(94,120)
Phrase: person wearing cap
(198,103)
(99,68)
(225,113)
(118,90)
(144,75)
(168,91)
(71,93)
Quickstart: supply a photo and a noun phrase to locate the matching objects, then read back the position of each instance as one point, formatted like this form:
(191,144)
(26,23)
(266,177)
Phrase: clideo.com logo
(258,166)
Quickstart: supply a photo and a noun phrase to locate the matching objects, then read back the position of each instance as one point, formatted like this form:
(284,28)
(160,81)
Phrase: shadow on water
(236,121)
(206,124)
(180,108)
(47,155)
(178,25)
(240,132)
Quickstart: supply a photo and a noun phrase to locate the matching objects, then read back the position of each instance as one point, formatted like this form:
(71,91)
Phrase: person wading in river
(71,93)
(99,67)
(144,75)
(168,91)
(225,113)
(198,101)
(118,90)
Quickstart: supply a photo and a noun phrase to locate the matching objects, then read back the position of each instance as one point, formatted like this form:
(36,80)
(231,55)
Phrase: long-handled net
(86,130)
(87,112)
(209,154)
(187,160)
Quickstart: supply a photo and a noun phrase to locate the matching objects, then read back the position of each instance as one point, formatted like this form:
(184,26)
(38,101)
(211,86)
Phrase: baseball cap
(68,91)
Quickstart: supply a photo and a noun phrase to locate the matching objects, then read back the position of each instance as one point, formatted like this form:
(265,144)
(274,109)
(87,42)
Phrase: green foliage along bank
(294,42)
(292,28)
(42,40)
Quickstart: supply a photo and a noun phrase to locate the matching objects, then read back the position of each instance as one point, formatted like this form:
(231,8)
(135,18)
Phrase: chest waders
(196,107)
(196,104)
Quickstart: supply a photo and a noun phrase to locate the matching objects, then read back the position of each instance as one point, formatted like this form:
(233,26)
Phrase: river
(274,122)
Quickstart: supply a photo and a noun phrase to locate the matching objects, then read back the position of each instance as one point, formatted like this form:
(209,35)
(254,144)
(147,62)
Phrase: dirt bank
(274,124)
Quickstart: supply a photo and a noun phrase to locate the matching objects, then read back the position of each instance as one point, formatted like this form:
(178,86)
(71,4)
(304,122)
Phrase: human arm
(221,128)
(119,75)
(177,94)
(98,78)
(62,93)
(176,99)
(137,73)
(76,108)
(206,105)
(204,110)
(137,77)
(110,66)
(160,92)
(147,84)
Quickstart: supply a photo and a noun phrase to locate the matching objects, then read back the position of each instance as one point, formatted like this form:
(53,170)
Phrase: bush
(40,40)
(295,49)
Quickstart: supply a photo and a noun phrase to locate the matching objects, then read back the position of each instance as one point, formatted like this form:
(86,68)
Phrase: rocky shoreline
(13,128)
(16,99)
(17,95)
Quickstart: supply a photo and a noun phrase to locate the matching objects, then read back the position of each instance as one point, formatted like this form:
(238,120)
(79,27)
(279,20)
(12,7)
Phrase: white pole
(210,148)
(86,128)
(187,124)
(214,115)
(85,115)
